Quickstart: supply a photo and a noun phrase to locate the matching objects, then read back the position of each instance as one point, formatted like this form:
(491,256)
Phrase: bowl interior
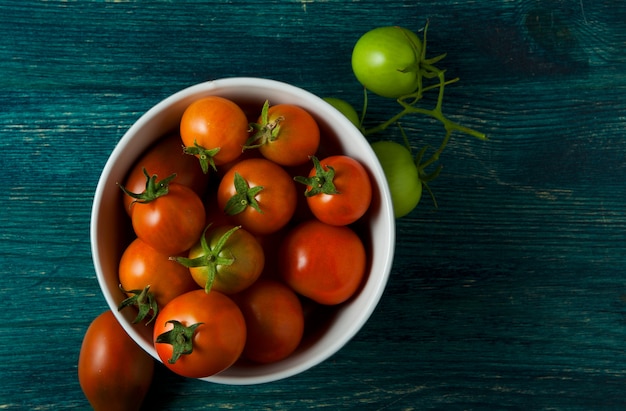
(110,230)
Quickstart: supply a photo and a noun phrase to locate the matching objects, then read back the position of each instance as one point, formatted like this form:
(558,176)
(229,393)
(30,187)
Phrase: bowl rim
(333,116)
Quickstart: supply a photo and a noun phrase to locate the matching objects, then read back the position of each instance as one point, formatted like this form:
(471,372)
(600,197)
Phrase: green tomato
(386,61)
(345,108)
(402,176)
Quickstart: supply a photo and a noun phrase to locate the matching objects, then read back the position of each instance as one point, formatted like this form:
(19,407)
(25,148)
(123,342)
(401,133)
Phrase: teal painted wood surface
(511,295)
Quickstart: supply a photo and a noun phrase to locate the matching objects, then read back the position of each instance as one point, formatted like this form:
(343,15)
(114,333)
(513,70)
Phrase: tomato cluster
(391,62)
(238,226)
(230,260)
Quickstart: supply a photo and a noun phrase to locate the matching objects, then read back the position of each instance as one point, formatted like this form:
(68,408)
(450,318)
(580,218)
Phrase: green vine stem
(436,113)
(425,70)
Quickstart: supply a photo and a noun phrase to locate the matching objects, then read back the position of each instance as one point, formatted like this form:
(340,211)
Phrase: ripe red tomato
(199,334)
(339,190)
(165,158)
(215,130)
(323,262)
(285,134)
(227,259)
(259,195)
(169,217)
(113,371)
(274,320)
(142,265)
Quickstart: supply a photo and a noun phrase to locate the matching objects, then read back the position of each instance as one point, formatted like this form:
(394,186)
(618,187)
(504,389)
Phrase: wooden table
(510,295)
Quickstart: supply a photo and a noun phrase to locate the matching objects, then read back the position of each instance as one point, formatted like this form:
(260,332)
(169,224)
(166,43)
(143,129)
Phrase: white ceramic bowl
(109,235)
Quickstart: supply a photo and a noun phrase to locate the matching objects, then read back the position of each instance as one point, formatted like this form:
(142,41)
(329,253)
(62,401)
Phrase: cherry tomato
(386,61)
(274,320)
(199,334)
(226,259)
(258,195)
(163,159)
(345,108)
(339,190)
(142,266)
(323,262)
(285,134)
(169,217)
(214,129)
(402,176)
(113,371)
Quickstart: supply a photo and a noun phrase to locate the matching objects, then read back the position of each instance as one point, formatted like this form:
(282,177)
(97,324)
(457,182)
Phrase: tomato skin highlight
(215,122)
(386,60)
(354,195)
(142,265)
(113,371)
(217,343)
(165,158)
(274,321)
(173,222)
(323,262)
(297,137)
(277,200)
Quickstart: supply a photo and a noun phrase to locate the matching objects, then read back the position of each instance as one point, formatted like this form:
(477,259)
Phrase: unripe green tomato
(402,176)
(386,61)
(345,108)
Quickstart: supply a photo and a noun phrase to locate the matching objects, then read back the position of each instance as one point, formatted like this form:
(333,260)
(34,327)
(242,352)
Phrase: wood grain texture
(511,295)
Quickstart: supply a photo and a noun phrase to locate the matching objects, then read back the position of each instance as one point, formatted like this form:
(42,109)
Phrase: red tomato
(274,320)
(323,262)
(226,259)
(167,216)
(114,372)
(165,158)
(199,334)
(262,199)
(286,134)
(215,130)
(339,190)
(142,265)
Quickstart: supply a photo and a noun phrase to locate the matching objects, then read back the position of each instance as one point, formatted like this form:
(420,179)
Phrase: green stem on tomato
(435,157)
(428,70)
(180,337)
(363,111)
(436,113)
(144,301)
(424,69)
(210,258)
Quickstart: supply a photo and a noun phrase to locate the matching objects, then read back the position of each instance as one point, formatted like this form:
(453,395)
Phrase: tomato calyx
(154,188)
(244,197)
(321,182)
(415,67)
(180,338)
(265,131)
(144,301)
(205,155)
(210,258)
